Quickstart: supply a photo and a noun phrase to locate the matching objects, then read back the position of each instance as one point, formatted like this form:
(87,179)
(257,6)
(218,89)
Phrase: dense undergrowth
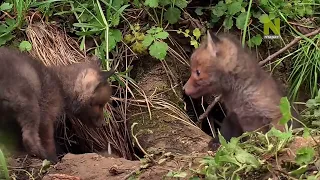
(159,27)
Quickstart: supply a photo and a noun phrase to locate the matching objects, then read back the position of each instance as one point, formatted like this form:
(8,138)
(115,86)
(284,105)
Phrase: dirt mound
(93,166)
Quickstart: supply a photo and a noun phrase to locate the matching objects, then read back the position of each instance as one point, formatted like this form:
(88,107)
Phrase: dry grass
(55,48)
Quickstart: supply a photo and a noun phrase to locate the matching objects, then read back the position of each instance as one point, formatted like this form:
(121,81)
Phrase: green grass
(3,167)
(306,65)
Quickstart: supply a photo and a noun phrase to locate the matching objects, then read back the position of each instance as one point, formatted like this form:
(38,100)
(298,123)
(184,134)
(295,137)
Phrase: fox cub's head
(210,64)
(93,92)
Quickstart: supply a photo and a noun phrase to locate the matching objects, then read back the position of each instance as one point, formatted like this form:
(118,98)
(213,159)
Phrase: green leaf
(148,39)
(219,9)
(25,46)
(264,18)
(241,20)
(197,33)
(311,102)
(194,43)
(114,37)
(152,3)
(3,28)
(162,35)
(181,3)
(116,34)
(255,40)
(164,2)
(304,155)
(6,6)
(285,109)
(198,11)
(5,38)
(247,158)
(158,50)
(172,15)
(228,23)
(234,8)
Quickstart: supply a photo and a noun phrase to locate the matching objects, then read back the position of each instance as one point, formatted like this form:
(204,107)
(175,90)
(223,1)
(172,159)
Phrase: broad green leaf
(164,2)
(162,35)
(11,22)
(283,136)
(219,9)
(311,102)
(25,46)
(304,155)
(148,39)
(247,158)
(228,23)
(198,11)
(158,50)
(234,8)
(152,3)
(172,15)
(116,34)
(228,159)
(181,3)
(197,33)
(241,20)
(117,4)
(6,6)
(285,109)
(5,38)
(255,40)
(264,18)
(3,28)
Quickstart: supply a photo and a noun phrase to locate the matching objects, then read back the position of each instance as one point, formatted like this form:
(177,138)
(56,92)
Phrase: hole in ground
(194,110)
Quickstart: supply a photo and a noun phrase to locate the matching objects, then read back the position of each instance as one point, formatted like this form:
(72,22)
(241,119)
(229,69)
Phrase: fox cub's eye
(198,72)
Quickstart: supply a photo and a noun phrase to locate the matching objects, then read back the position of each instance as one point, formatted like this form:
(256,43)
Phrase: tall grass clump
(305,69)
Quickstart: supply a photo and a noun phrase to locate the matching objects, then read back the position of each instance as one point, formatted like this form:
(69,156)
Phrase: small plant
(194,38)
(305,68)
(154,41)
(25,46)
(135,39)
(230,10)
(312,112)
(172,13)
(290,9)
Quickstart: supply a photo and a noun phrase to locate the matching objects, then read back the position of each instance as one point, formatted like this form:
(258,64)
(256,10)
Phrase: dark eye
(198,72)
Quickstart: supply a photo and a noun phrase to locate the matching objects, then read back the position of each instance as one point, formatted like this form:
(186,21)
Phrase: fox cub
(35,95)
(251,96)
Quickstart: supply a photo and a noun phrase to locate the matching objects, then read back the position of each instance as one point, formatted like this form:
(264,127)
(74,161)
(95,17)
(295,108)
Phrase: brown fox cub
(35,96)
(221,66)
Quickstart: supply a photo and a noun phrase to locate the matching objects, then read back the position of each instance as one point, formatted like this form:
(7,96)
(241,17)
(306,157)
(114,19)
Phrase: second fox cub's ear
(212,44)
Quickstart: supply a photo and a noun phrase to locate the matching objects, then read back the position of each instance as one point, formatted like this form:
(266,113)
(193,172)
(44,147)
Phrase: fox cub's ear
(212,41)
